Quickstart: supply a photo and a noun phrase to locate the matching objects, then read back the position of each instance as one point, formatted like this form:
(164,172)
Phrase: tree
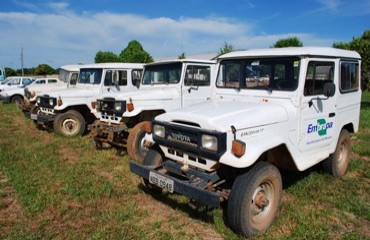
(226,49)
(134,53)
(103,57)
(182,56)
(288,42)
(10,72)
(362,46)
(44,69)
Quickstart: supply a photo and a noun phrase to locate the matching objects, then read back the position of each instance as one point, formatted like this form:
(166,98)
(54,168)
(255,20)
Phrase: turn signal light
(59,102)
(130,107)
(93,105)
(238,148)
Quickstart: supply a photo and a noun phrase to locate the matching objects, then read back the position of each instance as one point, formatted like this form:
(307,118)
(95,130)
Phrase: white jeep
(165,86)
(68,75)
(69,110)
(285,108)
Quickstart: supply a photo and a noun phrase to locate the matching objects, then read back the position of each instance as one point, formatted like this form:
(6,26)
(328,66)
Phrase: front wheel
(254,199)
(135,142)
(18,101)
(70,123)
(34,110)
(152,159)
(337,162)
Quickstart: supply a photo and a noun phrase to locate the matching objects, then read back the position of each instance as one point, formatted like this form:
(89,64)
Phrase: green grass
(57,187)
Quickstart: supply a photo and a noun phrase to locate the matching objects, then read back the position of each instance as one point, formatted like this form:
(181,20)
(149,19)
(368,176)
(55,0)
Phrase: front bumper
(44,118)
(188,188)
(104,132)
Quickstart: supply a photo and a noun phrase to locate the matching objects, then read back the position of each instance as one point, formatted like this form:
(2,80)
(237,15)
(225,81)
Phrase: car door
(197,84)
(318,113)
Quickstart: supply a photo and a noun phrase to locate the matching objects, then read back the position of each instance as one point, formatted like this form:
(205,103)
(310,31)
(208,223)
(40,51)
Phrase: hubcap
(70,125)
(261,202)
(342,155)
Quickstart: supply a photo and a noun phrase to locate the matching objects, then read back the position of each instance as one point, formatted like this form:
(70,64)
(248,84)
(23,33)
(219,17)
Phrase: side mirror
(329,89)
(136,82)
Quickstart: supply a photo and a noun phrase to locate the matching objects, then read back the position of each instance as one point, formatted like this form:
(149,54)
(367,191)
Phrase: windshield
(162,74)
(90,76)
(260,73)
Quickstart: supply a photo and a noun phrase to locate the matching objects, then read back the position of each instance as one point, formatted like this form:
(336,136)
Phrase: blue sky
(72,31)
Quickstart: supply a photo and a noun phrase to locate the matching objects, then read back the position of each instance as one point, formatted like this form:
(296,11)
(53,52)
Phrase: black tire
(18,101)
(337,162)
(70,123)
(254,199)
(135,145)
(152,159)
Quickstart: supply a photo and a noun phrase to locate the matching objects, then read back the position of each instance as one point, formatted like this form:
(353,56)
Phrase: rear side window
(52,81)
(198,75)
(318,73)
(349,76)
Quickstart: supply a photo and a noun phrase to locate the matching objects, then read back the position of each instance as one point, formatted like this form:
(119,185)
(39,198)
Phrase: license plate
(34,116)
(161,181)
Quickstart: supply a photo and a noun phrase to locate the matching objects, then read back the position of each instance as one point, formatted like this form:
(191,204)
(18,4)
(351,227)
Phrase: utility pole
(22,61)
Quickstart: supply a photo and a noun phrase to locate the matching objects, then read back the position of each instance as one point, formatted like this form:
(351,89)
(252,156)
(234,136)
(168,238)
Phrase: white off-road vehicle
(165,86)
(285,108)
(69,110)
(68,75)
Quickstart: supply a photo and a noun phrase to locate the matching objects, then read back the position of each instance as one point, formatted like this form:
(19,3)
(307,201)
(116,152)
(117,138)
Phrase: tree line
(135,53)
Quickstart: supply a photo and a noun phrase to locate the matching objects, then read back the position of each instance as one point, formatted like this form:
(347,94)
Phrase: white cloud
(64,37)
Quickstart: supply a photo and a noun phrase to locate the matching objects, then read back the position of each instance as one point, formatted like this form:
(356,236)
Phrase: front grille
(188,139)
(47,102)
(108,106)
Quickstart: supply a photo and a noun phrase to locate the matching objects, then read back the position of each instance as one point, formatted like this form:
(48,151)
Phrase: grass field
(52,187)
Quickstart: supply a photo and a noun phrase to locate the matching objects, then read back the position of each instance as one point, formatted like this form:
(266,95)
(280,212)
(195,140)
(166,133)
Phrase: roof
(293,51)
(72,67)
(113,65)
(185,60)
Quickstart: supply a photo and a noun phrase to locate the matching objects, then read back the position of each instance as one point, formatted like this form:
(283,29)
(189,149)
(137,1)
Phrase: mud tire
(135,148)
(70,124)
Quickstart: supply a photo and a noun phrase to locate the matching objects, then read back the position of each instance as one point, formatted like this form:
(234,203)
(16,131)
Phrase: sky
(73,31)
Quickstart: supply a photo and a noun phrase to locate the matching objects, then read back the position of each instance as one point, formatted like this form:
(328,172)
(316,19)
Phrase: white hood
(221,114)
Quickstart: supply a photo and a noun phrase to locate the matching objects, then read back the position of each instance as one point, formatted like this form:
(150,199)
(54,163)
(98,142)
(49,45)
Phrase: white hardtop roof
(185,60)
(113,65)
(72,67)
(292,51)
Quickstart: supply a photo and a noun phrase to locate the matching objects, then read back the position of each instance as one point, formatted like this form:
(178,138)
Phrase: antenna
(22,61)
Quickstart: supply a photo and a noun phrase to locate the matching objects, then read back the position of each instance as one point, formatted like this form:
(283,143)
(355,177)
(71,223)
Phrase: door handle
(331,115)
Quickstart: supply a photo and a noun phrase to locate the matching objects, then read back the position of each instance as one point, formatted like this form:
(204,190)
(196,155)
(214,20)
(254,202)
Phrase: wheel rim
(261,203)
(142,147)
(70,126)
(342,155)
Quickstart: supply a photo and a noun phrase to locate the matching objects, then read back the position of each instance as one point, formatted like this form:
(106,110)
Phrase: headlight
(209,142)
(158,130)
(51,102)
(38,100)
(118,106)
(97,106)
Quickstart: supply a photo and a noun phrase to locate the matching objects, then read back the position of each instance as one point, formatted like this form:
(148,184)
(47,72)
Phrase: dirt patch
(67,154)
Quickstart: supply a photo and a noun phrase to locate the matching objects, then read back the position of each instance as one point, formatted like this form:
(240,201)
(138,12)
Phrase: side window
(15,81)
(52,81)
(318,73)
(349,77)
(136,76)
(73,80)
(198,75)
(122,78)
(37,82)
(115,76)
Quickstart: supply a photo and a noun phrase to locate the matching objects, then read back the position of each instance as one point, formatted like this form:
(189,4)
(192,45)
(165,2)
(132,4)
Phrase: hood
(221,114)
(145,94)
(46,87)
(73,92)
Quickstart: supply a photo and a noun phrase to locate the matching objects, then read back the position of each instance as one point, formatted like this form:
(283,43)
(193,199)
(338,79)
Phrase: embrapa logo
(320,127)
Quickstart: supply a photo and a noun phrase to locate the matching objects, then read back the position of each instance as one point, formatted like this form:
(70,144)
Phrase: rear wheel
(135,142)
(337,162)
(70,123)
(254,199)
(18,101)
